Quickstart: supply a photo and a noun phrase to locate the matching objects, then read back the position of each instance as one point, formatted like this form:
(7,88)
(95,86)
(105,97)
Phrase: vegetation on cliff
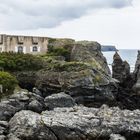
(7,81)
(19,62)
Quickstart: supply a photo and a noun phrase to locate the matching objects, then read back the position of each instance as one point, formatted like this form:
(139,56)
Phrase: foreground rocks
(77,123)
(30,116)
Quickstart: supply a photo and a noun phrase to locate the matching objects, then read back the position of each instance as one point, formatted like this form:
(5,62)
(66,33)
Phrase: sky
(109,22)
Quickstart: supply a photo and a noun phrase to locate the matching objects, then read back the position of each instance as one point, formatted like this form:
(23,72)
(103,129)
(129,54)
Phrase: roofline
(23,36)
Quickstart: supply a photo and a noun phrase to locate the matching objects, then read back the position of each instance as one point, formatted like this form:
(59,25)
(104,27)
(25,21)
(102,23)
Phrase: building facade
(23,44)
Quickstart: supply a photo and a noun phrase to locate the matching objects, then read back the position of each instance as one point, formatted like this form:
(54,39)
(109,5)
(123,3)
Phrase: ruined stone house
(23,44)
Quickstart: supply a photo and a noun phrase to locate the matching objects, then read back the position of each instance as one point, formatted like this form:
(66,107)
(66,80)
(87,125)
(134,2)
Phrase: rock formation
(74,123)
(66,121)
(68,101)
(136,87)
(120,68)
(90,52)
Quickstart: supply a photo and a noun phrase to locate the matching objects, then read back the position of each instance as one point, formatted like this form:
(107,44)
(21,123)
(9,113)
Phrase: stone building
(23,44)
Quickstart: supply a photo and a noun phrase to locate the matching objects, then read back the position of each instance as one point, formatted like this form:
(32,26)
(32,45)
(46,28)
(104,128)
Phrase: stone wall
(25,44)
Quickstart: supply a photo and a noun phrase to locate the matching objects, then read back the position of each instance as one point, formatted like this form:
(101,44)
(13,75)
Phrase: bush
(59,52)
(18,61)
(7,81)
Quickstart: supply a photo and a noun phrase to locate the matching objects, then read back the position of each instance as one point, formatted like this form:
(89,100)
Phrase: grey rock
(75,123)
(89,51)
(2,137)
(3,127)
(20,100)
(116,137)
(78,79)
(6,111)
(36,106)
(136,87)
(4,124)
(120,68)
(12,137)
(59,100)
(29,125)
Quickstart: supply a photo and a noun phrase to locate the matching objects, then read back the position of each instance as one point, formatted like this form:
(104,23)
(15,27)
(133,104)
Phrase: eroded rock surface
(136,86)
(59,100)
(120,68)
(77,123)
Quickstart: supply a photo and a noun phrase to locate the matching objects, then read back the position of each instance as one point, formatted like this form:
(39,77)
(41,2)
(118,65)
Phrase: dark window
(20,49)
(35,49)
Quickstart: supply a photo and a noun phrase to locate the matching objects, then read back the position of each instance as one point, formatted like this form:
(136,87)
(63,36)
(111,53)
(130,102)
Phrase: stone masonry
(24,44)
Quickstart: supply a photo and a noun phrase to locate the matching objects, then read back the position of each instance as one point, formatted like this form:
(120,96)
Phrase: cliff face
(90,52)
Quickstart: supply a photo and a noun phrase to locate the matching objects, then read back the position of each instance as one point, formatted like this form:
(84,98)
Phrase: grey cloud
(33,14)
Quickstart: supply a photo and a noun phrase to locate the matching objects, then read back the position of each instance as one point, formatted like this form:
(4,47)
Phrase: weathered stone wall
(27,44)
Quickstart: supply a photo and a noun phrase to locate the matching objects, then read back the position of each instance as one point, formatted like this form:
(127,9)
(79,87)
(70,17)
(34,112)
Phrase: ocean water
(129,55)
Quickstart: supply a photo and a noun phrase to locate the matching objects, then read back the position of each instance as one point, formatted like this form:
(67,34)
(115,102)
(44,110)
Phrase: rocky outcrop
(77,123)
(120,68)
(90,52)
(86,77)
(136,86)
(80,80)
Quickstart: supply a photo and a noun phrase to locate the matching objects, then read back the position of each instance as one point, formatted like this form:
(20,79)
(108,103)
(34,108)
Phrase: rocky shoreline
(76,99)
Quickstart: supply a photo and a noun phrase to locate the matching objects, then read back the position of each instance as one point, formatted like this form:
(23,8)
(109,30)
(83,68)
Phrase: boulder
(20,100)
(59,100)
(36,106)
(76,123)
(29,125)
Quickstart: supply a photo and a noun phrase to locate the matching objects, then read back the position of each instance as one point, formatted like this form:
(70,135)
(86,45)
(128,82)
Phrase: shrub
(59,52)
(17,61)
(7,81)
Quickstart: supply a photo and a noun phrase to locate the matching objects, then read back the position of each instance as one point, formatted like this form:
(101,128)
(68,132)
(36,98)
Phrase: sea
(129,55)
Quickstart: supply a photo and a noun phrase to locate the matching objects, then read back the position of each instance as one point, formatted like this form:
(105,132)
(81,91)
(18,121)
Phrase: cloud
(34,14)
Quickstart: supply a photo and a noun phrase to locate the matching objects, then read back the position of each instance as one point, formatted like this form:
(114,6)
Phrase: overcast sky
(110,22)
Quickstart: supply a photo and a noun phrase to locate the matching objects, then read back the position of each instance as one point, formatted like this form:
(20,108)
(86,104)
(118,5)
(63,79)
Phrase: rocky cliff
(68,100)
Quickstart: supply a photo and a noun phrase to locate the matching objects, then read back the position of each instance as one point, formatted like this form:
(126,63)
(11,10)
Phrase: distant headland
(108,48)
